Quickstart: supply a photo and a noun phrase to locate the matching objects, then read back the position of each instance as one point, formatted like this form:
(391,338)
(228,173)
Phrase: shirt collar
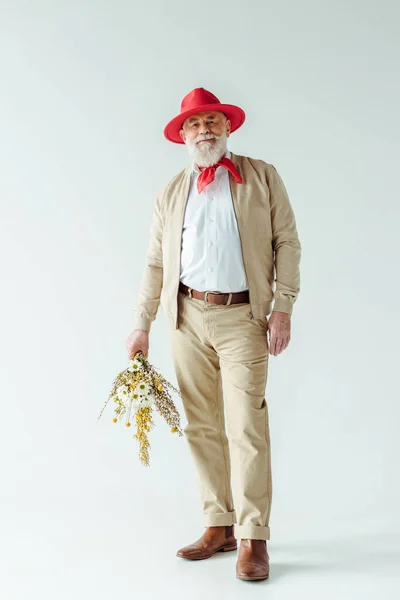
(195,168)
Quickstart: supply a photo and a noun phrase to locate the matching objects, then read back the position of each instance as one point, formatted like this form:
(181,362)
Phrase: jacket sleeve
(152,278)
(286,244)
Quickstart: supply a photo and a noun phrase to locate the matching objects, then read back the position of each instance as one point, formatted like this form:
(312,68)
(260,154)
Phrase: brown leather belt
(217,297)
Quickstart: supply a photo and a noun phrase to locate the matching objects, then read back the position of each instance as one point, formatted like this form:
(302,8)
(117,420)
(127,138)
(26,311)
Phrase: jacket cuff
(143,323)
(283,305)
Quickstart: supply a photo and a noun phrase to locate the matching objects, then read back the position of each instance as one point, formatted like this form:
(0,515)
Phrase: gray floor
(78,550)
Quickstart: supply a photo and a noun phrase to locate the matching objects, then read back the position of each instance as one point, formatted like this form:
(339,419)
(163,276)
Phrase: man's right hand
(138,341)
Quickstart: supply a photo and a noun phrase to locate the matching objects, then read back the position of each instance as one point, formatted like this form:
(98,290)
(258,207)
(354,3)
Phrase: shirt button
(210,243)
(210,268)
(211,220)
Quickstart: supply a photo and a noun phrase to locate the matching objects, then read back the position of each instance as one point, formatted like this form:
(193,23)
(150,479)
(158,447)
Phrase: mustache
(209,137)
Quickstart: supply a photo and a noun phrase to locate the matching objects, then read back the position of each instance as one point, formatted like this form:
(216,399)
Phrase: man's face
(205,135)
(203,125)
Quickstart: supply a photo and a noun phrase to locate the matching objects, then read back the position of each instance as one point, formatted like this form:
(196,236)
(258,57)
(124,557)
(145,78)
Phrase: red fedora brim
(235,114)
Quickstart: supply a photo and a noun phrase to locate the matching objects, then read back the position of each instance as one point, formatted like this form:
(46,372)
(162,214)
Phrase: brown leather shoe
(218,538)
(253,560)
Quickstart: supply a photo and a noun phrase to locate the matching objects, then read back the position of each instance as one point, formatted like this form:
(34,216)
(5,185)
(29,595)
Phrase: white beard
(206,155)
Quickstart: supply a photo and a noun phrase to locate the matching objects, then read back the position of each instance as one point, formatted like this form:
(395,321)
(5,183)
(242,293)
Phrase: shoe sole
(252,578)
(223,549)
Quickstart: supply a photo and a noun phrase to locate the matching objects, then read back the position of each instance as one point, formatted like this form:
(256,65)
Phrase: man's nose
(204,128)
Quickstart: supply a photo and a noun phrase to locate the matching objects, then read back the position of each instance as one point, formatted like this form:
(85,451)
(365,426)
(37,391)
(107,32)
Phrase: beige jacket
(269,239)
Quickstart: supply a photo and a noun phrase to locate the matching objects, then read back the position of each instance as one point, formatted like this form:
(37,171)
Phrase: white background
(86,88)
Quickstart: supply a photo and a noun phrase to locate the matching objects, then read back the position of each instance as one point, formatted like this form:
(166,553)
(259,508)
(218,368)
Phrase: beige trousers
(220,357)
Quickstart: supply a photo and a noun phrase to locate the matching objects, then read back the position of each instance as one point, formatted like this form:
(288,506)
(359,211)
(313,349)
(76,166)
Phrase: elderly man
(223,231)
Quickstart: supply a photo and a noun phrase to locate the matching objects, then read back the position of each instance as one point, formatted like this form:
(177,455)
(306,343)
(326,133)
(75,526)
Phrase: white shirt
(211,254)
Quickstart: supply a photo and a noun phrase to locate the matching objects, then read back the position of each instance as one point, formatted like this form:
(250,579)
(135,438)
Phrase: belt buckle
(206,296)
(210,292)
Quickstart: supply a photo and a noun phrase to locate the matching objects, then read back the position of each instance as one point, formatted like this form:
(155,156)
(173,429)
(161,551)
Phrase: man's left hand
(279,331)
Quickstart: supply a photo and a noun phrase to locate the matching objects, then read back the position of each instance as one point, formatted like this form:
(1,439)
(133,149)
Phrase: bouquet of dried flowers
(135,391)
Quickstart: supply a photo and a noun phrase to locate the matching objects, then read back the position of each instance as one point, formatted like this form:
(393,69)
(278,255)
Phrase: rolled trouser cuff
(252,532)
(214,519)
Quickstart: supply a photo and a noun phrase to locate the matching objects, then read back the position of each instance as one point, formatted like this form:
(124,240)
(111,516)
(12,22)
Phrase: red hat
(200,100)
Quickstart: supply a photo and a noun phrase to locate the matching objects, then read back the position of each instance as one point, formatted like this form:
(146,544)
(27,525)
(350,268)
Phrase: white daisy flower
(134,365)
(142,388)
(148,400)
(135,396)
(122,392)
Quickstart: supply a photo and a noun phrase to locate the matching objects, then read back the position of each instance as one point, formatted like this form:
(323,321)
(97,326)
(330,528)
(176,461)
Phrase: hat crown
(197,98)
(201,100)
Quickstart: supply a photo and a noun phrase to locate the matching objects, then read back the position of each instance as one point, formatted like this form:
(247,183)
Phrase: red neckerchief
(208,175)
